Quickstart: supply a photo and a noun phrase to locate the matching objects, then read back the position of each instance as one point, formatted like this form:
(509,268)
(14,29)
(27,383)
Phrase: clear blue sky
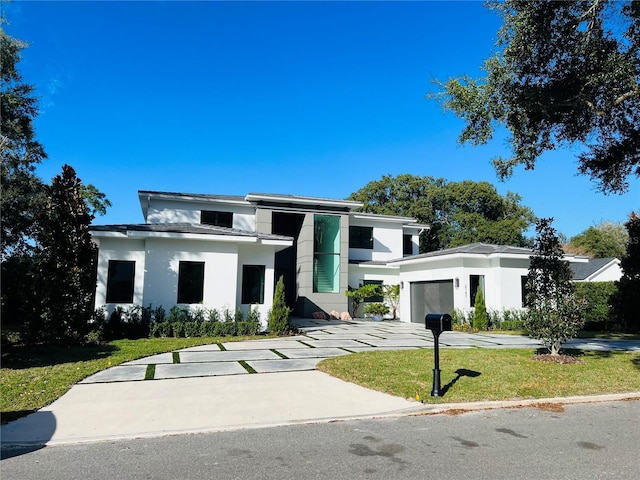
(308,98)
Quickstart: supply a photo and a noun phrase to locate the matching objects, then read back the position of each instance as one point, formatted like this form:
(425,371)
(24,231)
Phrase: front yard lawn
(485,374)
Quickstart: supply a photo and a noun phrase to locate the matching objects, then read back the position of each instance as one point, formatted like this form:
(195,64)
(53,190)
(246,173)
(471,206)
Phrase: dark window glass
(120,281)
(407,245)
(219,219)
(191,282)
(361,237)
(252,284)
(524,290)
(375,298)
(475,282)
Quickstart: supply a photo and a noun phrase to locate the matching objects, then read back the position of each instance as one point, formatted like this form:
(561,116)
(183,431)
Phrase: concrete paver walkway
(318,340)
(242,385)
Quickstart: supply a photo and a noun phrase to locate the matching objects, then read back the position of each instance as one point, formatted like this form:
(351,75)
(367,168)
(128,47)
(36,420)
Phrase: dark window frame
(360,239)
(120,290)
(407,244)
(216,218)
(251,273)
(474,284)
(190,282)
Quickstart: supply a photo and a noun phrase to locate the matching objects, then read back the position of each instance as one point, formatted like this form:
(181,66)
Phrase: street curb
(454,408)
(418,410)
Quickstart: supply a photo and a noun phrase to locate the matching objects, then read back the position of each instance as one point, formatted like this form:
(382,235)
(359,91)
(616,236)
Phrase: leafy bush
(179,314)
(192,329)
(177,329)
(376,309)
(597,312)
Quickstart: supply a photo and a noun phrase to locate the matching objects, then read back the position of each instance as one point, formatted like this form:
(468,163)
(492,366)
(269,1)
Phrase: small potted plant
(376,310)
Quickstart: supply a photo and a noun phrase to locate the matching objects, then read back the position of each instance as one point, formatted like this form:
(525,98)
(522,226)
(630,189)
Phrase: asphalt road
(588,441)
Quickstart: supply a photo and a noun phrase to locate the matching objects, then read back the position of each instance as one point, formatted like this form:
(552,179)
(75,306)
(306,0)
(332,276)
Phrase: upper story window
(407,245)
(219,219)
(361,237)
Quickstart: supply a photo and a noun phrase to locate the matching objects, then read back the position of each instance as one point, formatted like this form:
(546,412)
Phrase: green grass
(482,374)
(33,377)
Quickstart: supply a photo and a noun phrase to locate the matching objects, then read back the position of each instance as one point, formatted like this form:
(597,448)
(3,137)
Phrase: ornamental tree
(626,302)
(554,312)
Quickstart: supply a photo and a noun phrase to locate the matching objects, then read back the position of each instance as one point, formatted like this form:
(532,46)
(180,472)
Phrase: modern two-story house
(221,252)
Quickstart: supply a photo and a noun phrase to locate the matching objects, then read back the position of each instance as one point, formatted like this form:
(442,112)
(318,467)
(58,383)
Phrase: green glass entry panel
(326,254)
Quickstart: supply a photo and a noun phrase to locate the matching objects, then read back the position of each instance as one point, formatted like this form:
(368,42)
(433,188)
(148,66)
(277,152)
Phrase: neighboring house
(595,269)
(215,251)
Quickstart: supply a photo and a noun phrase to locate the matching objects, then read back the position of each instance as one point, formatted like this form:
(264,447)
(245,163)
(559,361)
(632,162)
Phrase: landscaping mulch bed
(563,359)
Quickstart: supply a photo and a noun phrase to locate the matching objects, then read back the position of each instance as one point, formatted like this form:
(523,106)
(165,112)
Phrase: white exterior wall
(220,271)
(502,277)
(120,249)
(167,211)
(387,241)
(252,255)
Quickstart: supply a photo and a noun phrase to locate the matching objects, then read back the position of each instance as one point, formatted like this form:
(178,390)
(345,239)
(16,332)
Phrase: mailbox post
(437,323)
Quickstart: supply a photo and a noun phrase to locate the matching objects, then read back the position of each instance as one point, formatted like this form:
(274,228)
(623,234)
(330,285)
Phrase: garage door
(430,297)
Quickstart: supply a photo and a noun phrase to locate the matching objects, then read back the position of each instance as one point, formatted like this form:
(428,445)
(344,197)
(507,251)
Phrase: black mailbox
(438,322)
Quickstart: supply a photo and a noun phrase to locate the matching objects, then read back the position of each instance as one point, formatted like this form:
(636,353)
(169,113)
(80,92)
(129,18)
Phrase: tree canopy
(22,190)
(458,212)
(563,74)
(604,240)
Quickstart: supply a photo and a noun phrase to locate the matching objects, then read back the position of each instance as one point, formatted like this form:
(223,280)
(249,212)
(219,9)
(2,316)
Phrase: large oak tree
(457,212)
(563,74)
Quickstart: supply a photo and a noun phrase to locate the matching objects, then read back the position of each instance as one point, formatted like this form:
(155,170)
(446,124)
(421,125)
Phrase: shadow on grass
(636,361)
(28,356)
(461,372)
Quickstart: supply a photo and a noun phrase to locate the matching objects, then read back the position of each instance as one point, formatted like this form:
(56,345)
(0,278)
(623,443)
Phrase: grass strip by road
(469,375)
(33,377)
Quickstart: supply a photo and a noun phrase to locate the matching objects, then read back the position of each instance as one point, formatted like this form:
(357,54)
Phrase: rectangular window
(326,254)
(120,281)
(252,284)
(191,282)
(475,282)
(407,245)
(523,289)
(361,237)
(376,298)
(219,219)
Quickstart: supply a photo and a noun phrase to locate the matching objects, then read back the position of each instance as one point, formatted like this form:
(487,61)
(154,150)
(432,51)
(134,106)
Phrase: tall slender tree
(554,313)
(22,191)
(65,259)
(626,301)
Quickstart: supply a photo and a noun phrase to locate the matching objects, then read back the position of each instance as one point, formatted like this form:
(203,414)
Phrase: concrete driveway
(242,385)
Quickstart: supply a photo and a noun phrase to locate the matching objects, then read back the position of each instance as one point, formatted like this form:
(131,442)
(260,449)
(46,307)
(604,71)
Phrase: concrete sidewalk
(248,384)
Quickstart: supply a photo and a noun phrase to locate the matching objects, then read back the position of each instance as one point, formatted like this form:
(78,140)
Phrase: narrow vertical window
(120,281)
(326,254)
(252,284)
(475,282)
(191,282)
(407,245)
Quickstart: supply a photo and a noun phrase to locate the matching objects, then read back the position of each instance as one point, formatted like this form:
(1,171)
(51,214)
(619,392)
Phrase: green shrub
(214,315)
(229,329)
(177,329)
(280,313)
(179,314)
(159,314)
(192,329)
(597,312)
(199,315)
(376,309)
(480,317)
